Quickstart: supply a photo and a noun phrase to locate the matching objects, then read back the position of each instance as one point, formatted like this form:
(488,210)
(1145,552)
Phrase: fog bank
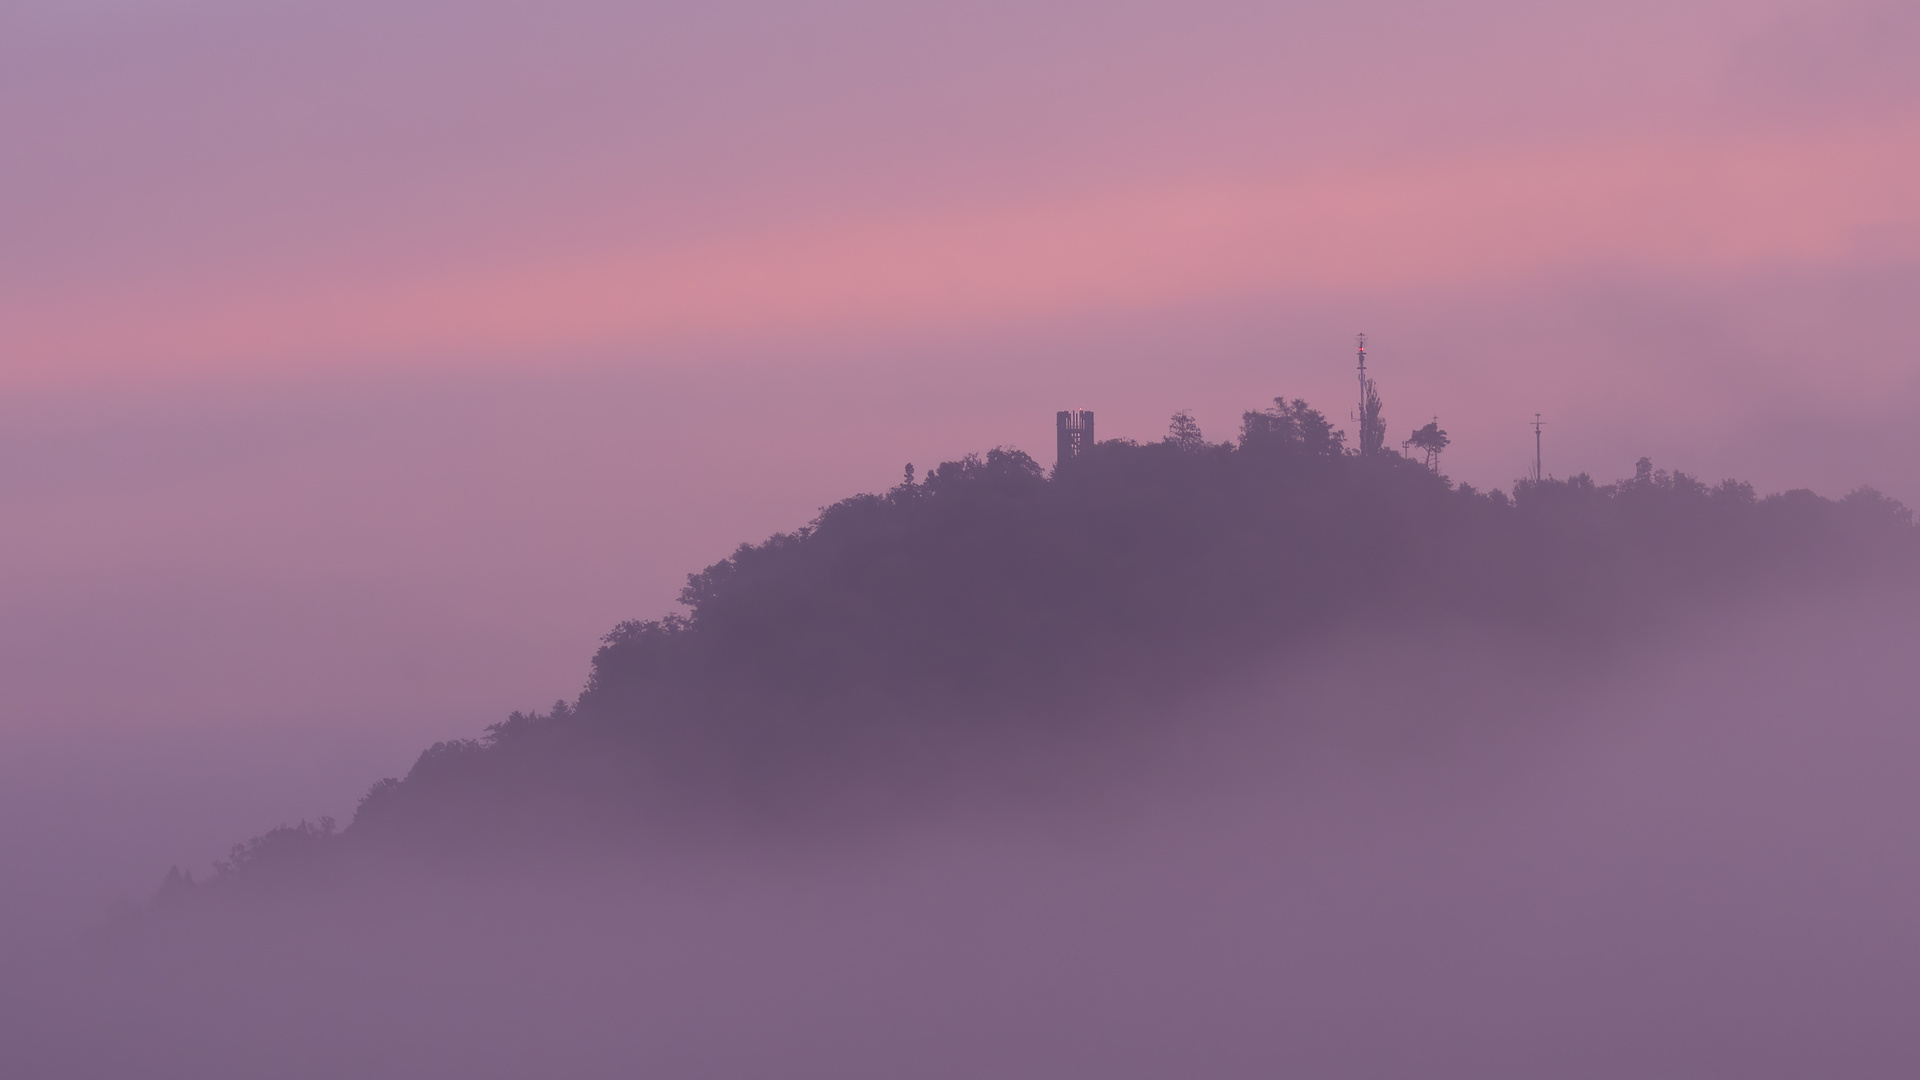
(1443,860)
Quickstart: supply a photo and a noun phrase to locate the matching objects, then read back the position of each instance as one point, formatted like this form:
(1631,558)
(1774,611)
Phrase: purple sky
(361,363)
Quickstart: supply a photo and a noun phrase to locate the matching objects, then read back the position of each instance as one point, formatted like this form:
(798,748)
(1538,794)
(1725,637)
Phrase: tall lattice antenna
(1368,414)
(1537,476)
(1360,344)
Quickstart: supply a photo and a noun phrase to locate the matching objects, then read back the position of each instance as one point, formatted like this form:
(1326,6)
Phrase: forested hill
(990,593)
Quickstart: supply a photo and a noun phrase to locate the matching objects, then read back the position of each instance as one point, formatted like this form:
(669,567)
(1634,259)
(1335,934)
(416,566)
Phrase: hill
(990,600)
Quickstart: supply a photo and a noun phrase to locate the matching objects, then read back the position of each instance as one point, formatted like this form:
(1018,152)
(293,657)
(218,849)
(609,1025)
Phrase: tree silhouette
(1373,426)
(1183,431)
(1429,440)
(1294,424)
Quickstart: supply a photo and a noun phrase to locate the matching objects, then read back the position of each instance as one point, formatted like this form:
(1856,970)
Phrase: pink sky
(235,189)
(360,363)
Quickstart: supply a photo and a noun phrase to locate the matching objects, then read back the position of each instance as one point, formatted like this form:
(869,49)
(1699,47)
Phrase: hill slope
(994,598)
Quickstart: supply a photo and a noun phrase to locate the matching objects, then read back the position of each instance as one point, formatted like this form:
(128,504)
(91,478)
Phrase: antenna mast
(1360,344)
(1536,448)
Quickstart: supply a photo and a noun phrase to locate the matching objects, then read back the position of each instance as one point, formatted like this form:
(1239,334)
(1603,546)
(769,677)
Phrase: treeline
(991,595)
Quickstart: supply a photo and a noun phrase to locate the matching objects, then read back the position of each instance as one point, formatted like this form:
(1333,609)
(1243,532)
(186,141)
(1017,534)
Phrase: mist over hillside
(967,617)
(1187,757)
(1431,858)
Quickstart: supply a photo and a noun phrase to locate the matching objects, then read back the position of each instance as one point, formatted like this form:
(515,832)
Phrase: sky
(362,363)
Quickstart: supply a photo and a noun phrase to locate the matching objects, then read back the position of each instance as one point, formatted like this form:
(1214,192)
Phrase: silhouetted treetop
(1291,424)
(1428,436)
(1183,431)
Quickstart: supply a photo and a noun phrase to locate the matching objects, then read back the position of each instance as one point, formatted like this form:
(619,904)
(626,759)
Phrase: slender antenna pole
(1536,448)
(1360,341)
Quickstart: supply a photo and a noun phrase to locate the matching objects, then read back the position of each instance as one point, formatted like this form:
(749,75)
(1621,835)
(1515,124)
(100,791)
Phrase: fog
(304,585)
(1432,856)
(363,362)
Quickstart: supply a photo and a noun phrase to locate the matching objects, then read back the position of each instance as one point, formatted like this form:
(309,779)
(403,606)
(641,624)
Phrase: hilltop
(992,597)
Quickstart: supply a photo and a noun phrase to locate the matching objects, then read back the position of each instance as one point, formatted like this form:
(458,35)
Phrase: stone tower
(1075,430)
